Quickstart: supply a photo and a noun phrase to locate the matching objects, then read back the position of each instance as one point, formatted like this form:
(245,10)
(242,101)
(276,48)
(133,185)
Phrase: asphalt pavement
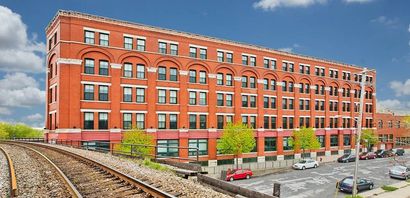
(321,182)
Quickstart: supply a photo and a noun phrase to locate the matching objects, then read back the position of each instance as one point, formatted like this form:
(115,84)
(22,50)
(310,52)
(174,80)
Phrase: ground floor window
(287,143)
(346,140)
(270,144)
(167,148)
(321,139)
(333,140)
(202,144)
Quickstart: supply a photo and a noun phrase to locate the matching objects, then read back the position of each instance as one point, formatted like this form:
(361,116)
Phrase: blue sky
(372,33)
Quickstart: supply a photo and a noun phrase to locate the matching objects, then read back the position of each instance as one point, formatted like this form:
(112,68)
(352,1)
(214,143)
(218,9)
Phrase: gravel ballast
(167,179)
(4,177)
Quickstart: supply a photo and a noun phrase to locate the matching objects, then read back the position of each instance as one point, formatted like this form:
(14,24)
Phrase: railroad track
(12,174)
(93,179)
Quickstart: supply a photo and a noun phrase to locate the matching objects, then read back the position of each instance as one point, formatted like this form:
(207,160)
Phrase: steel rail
(153,191)
(12,172)
(70,187)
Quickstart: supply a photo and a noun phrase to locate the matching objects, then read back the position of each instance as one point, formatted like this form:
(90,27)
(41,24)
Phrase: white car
(306,163)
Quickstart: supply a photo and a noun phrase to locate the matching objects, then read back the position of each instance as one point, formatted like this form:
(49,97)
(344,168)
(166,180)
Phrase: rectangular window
(202,98)
(89,37)
(220,56)
(252,101)
(127,120)
(202,53)
(162,98)
(346,140)
(273,103)
(140,71)
(266,122)
(273,122)
(284,103)
(253,121)
(103,70)
(220,121)
(173,74)
(168,148)
(228,100)
(229,57)
(244,101)
(192,121)
(291,106)
(265,102)
(174,49)
(333,140)
(103,93)
(173,121)
(219,99)
(141,44)
(284,66)
(245,120)
(88,120)
(140,121)
(273,85)
(321,139)
(252,82)
(266,63)
(161,121)
(192,76)
(192,98)
(162,73)
(162,48)
(89,66)
(244,60)
(291,67)
(284,86)
(219,79)
(173,98)
(128,41)
(104,39)
(287,143)
(202,77)
(253,61)
(140,95)
(202,121)
(127,94)
(102,120)
(244,81)
(127,70)
(88,92)
(192,52)
(229,80)
(284,122)
(201,144)
(273,64)
(270,144)
(265,84)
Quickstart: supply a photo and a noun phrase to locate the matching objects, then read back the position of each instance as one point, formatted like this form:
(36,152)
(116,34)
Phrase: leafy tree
(368,138)
(236,139)
(406,121)
(3,131)
(18,131)
(140,138)
(305,139)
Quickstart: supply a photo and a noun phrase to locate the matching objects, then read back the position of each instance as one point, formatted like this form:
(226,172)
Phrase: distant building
(392,131)
(105,75)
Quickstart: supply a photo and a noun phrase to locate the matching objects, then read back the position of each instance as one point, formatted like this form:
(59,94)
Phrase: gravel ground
(34,175)
(168,180)
(4,177)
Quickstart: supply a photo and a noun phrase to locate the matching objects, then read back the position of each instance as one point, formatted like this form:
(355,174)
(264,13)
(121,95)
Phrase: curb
(379,191)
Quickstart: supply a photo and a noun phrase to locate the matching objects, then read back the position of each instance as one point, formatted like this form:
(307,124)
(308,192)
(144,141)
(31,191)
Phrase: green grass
(389,188)
(408,181)
(351,196)
(153,165)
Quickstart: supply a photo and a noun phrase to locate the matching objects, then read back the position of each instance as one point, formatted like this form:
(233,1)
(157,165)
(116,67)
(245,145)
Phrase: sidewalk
(402,192)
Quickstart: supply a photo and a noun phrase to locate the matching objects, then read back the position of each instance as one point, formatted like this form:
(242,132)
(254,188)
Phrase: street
(321,182)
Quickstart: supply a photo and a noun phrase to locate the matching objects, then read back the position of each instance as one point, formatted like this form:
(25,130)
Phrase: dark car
(384,154)
(398,151)
(346,184)
(367,155)
(347,158)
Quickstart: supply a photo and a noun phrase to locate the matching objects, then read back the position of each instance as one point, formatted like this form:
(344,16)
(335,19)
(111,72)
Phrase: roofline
(70,13)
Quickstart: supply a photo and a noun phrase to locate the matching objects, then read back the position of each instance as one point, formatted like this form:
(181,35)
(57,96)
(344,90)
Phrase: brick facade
(75,89)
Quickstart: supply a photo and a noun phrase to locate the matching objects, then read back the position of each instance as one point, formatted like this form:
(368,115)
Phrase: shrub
(389,188)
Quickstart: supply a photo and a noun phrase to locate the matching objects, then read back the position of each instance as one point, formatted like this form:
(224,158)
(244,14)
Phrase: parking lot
(321,182)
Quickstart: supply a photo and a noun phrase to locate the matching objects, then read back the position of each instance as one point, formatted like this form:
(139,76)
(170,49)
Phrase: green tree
(236,139)
(368,138)
(3,131)
(139,138)
(406,121)
(305,139)
(8,130)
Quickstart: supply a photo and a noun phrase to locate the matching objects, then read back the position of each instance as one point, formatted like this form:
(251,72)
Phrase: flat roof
(76,14)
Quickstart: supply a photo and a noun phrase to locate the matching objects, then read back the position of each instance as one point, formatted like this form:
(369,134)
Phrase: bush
(9,131)
(351,196)
(389,188)
(153,165)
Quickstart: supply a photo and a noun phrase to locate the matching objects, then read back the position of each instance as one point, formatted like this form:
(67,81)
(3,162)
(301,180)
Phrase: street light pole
(359,131)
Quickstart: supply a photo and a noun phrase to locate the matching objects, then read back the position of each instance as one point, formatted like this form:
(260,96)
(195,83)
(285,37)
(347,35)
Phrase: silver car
(306,163)
(400,172)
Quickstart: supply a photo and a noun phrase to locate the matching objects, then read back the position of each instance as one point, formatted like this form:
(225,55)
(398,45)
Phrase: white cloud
(409,28)
(17,51)
(273,4)
(393,105)
(358,1)
(34,117)
(401,88)
(386,21)
(20,90)
(290,49)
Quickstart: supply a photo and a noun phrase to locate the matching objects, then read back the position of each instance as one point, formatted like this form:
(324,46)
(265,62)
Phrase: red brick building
(392,130)
(105,75)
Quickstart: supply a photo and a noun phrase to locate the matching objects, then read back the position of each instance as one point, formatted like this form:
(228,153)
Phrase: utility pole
(359,130)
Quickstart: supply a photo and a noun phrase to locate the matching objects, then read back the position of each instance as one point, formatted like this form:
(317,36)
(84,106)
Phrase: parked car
(238,174)
(367,155)
(384,153)
(346,184)
(306,163)
(400,172)
(378,152)
(398,151)
(347,158)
